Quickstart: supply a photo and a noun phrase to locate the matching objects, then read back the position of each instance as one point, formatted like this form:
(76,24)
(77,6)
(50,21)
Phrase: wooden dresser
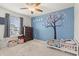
(28,33)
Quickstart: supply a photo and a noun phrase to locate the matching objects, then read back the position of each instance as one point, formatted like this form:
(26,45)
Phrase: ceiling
(46,7)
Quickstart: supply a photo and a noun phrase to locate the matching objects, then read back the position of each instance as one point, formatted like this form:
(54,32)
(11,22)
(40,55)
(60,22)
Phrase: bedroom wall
(26,22)
(76,25)
(66,31)
(27,19)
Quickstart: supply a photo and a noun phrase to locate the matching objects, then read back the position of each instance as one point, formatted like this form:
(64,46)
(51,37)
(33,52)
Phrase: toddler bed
(70,46)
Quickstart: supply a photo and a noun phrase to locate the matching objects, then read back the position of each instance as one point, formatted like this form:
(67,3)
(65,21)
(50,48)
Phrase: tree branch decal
(53,20)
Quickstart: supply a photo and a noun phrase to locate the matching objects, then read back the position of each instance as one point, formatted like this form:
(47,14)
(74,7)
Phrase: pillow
(50,42)
(12,43)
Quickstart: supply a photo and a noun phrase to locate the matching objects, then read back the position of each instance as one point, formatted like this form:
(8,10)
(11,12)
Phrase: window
(14,26)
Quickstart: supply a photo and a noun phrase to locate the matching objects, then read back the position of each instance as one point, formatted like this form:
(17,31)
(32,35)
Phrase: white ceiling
(46,7)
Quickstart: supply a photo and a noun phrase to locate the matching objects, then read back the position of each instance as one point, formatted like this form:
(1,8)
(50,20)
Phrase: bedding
(70,42)
(32,48)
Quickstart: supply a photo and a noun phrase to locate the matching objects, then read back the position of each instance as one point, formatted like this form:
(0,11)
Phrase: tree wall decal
(54,20)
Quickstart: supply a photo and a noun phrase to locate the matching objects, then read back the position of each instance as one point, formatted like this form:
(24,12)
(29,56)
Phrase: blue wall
(66,31)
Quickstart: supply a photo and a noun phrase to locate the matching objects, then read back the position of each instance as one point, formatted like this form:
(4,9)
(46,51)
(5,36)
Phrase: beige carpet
(32,48)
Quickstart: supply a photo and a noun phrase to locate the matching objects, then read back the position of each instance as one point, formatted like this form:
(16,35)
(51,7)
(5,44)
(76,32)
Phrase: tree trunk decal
(55,35)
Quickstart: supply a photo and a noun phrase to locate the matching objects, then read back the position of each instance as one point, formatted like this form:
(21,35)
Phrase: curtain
(2,21)
(21,24)
(7,25)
